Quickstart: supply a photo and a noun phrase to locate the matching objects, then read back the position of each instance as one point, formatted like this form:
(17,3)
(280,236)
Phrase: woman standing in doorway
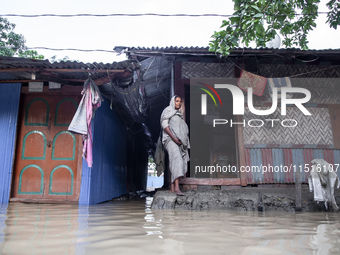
(176,141)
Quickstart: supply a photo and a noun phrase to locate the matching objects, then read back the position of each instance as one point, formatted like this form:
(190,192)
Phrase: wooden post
(298,190)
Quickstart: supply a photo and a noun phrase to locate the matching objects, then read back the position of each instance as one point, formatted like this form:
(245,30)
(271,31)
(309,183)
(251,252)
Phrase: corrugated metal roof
(12,68)
(197,49)
(13,62)
(203,53)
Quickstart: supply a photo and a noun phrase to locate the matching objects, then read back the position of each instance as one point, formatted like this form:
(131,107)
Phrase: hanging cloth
(257,82)
(278,83)
(81,122)
(322,180)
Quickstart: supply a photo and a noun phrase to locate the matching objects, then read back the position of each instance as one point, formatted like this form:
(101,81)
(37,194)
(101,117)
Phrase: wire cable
(140,14)
(70,49)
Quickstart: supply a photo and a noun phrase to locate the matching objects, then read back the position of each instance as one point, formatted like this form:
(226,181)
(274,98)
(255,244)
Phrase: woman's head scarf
(171,110)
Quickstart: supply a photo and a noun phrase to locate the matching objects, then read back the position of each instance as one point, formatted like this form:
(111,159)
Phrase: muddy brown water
(131,227)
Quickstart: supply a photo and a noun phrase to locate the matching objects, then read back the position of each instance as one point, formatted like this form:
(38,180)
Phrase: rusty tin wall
(286,161)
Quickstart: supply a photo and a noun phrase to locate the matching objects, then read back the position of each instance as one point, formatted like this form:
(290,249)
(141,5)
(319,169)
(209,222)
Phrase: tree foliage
(259,22)
(56,59)
(13,44)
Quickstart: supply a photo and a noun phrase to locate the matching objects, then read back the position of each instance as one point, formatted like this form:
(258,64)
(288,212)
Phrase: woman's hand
(178,141)
(174,138)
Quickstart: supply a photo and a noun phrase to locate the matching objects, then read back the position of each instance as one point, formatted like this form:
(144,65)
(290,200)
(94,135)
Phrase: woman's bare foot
(172,188)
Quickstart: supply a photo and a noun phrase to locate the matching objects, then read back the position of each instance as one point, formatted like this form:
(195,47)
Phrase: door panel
(37,112)
(61,181)
(65,111)
(46,166)
(34,145)
(64,146)
(31,180)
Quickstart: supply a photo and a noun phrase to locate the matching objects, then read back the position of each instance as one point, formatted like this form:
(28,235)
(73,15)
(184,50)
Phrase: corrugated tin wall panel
(288,160)
(278,160)
(107,177)
(248,164)
(318,153)
(337,161)
(9,106)
(291,159)
(298,163)
(308,157)
(329,156)
(267,159)
(256,163)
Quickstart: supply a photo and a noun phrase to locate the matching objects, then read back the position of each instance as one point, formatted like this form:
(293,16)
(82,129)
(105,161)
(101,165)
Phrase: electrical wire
(70,49)
(113,15)
(141,14)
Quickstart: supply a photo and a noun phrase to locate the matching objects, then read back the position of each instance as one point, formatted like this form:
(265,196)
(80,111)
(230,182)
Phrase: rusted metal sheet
(328,156)
(318,153)
(278,160)
(308,155)
(21,68)
(288,160)
(298,163)
(256,163)
(248,164)
(267,159)
(337,161)
(9,106)
(107,177)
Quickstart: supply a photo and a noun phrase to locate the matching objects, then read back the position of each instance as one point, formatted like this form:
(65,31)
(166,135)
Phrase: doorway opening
(154,181)
(213,152)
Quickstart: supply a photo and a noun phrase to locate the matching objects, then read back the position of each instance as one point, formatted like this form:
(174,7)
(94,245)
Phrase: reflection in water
(131,227)
(3,211)
(83,214)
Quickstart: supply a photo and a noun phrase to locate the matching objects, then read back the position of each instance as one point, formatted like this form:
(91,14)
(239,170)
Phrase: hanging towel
(78,124)
(278,83)
(258,83)
(81,122)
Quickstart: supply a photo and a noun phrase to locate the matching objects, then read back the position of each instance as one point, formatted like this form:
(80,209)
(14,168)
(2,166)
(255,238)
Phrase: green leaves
(30,54)
(255,8)
(333,16)
(260,30)
(259,21)
(258,15)
(13,44)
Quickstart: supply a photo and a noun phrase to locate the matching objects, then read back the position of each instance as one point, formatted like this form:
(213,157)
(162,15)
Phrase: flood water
(131,227)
